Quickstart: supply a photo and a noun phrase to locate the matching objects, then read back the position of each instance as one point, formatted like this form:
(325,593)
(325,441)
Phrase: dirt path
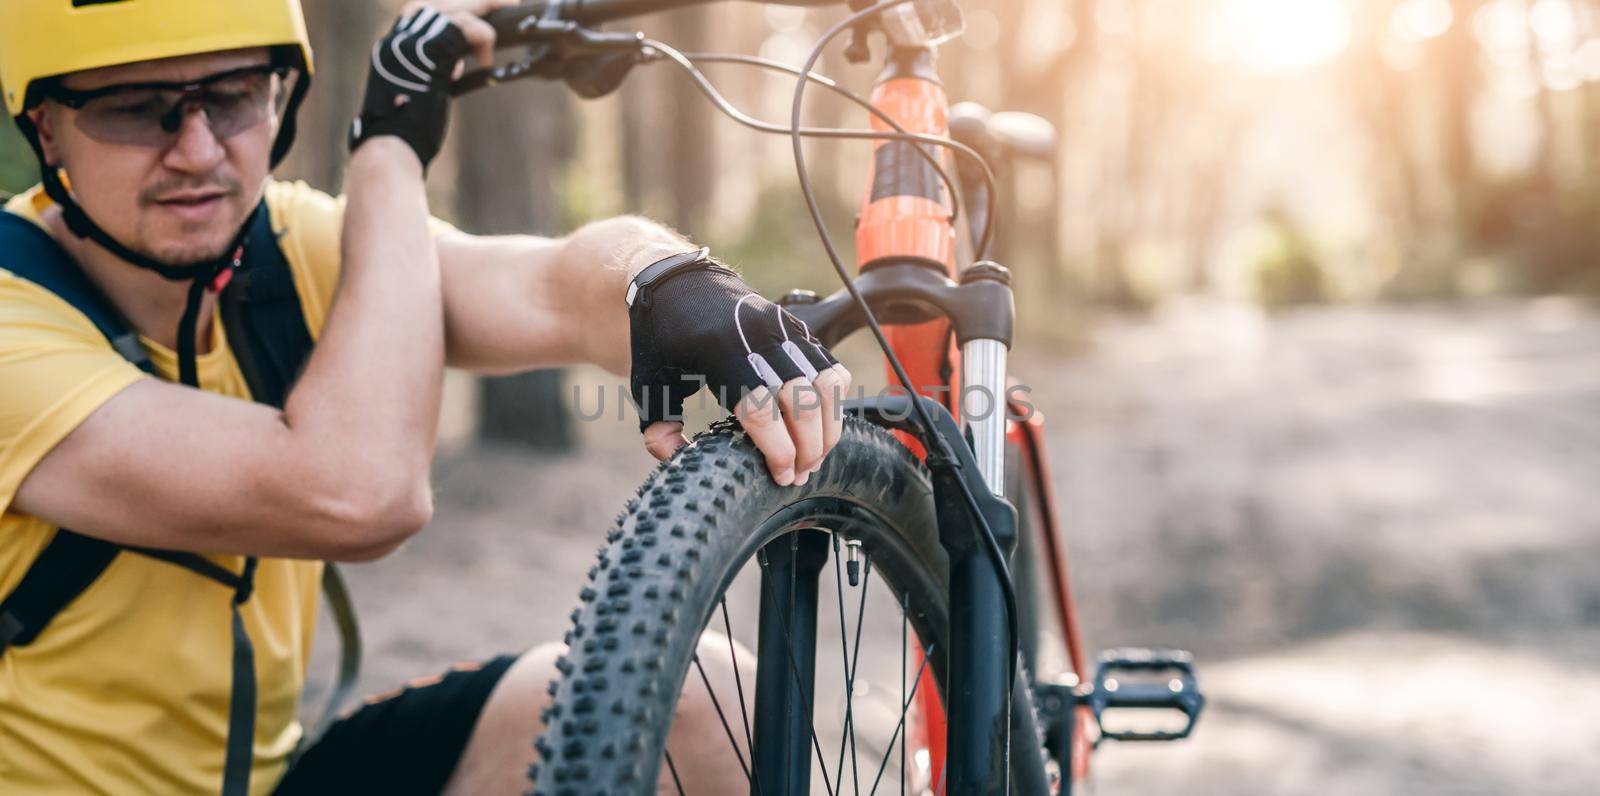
(1376,529)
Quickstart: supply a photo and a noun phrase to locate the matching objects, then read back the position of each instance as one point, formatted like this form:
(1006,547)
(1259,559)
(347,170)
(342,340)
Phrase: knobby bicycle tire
(671,556)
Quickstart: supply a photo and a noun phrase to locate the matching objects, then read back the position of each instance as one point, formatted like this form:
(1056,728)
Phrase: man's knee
(501,747)
(528,680)
(502,743)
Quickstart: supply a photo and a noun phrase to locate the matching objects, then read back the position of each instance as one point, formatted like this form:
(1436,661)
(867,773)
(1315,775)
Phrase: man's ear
(44,122)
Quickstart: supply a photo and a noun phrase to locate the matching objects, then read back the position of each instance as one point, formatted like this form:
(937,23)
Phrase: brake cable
(682,61)
(834,86)
(650,51)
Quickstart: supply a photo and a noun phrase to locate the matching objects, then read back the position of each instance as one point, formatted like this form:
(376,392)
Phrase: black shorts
(406,741)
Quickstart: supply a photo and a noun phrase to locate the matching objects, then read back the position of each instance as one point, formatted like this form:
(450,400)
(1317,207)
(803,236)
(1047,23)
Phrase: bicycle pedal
(1133,683)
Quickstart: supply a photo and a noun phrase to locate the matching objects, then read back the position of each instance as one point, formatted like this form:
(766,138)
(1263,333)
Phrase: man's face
(180,200)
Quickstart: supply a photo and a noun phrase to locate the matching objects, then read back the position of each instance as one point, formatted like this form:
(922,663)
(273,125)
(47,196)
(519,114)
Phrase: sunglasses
(150,114)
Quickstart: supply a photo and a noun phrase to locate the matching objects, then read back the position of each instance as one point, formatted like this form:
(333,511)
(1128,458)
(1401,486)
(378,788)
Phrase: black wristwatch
(660,270)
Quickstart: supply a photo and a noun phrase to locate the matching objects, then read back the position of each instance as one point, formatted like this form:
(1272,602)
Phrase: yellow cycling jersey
(127,689)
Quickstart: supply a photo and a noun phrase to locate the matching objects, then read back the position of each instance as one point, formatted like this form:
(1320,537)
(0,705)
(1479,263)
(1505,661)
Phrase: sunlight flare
(1270,35)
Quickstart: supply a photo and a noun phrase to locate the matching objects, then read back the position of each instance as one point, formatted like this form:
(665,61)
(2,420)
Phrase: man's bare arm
(341,472)
(515,303)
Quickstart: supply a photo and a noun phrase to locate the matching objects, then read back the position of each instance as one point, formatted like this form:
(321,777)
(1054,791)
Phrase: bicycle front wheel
(665,576)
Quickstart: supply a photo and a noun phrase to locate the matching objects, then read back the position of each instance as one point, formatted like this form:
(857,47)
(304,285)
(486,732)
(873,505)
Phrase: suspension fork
(980,700)
(979,741)
(785,690)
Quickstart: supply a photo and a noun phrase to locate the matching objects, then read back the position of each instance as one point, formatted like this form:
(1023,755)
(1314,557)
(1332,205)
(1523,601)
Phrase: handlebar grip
(472,81)
(508,22)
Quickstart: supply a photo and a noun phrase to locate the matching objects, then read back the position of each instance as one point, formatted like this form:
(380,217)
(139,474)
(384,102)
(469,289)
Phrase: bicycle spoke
(905,705)
(849,681)
(674,769)
(850,677)
(905,599)
(720,715)
(794,667)
(738,683)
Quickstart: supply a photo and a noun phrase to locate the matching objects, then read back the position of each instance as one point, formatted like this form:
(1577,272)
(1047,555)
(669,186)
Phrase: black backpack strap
(69,563)
(262,315)
(30,252)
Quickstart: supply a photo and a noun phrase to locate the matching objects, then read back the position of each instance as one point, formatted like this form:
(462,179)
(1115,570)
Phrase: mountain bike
(920,498)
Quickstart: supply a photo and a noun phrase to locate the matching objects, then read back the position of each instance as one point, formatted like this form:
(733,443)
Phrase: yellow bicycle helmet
(45,38)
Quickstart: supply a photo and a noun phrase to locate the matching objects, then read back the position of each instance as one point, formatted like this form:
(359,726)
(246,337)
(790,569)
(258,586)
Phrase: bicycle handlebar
(511,24)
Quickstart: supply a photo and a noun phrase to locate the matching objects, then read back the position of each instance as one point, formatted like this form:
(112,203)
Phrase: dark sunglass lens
(231,115)
(151,117)
(134,117)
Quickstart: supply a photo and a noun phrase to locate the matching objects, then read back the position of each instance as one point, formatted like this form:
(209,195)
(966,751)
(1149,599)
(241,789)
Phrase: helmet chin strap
(81,225)
(200,275)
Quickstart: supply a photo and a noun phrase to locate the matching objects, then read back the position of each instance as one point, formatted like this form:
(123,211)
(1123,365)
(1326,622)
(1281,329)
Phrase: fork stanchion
(979,704)
(787,636)
(983,407)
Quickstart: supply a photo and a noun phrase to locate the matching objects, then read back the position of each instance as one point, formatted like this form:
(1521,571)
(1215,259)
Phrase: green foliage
(779,250)
(18,168)
(582,198)
(1290,270)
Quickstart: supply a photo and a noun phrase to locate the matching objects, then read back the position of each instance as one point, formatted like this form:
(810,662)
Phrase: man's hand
(413,65)
(707,326)
(467,15)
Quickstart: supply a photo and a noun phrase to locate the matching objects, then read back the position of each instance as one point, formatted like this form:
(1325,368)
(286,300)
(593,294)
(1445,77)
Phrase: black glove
(708,323)
(408,90)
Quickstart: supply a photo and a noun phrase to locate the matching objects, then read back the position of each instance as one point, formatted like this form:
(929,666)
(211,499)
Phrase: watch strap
(665,267)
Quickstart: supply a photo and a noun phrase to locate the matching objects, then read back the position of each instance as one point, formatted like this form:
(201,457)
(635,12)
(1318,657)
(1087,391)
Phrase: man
(156,123)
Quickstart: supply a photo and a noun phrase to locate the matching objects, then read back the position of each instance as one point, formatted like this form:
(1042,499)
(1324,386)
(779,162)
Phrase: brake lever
(587,59)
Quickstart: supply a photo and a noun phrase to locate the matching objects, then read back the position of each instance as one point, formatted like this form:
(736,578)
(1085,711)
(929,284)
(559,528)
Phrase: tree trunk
(319,152)
(690,138)
(1458,59)
(1378,100)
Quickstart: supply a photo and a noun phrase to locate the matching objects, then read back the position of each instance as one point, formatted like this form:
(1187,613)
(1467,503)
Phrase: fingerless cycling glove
(706,326)
(408,89)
